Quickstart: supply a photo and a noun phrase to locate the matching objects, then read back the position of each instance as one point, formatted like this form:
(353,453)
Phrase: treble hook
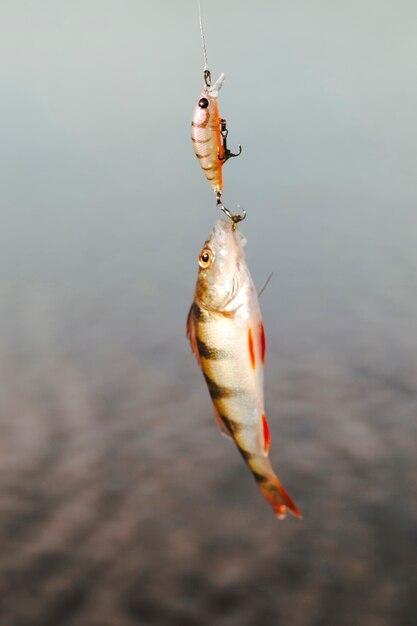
(235,219)
(226,152)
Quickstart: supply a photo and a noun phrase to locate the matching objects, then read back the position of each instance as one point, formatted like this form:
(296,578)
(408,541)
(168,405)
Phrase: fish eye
(203,103)
(205,258)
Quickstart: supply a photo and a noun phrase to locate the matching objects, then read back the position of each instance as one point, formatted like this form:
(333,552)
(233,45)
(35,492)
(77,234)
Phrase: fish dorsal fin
(191,334)
(264,286)
(221,424)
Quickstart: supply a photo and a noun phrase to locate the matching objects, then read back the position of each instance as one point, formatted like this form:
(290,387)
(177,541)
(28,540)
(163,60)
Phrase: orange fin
(263,342)
(279,499)
(267,434)
(221,424)
(191,333)
(251,348)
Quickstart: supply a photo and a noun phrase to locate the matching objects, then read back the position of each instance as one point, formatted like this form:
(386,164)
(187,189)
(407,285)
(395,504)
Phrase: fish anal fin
(223,428)
(192,335)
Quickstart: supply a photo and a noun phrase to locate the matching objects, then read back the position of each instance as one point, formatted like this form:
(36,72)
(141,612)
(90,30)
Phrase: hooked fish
(209,131)
(226,334)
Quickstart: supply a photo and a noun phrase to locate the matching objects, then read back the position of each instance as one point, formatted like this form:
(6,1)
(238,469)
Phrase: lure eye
(203,103)
(205,258)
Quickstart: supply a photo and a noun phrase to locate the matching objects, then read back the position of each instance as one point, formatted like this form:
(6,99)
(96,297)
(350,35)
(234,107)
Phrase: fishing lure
(209,131)
(227,336)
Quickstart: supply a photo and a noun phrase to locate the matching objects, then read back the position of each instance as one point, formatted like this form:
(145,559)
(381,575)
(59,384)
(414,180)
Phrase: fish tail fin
(278,498)
(269,484)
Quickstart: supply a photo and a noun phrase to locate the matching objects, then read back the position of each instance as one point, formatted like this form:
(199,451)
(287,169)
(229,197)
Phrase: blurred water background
(120,504)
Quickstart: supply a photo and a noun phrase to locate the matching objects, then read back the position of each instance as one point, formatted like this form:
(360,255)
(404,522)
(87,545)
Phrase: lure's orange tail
(279,499)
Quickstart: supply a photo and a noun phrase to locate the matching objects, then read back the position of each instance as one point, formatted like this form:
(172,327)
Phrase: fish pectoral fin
(266,434)
(191,334)
(223,428)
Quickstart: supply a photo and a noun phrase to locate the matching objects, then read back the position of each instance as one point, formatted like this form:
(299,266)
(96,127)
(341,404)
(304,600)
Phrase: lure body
(226,334)
(206,135)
